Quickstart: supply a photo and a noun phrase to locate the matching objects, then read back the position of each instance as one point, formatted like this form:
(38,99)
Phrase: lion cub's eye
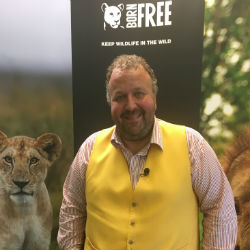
(33,160)
(8,159)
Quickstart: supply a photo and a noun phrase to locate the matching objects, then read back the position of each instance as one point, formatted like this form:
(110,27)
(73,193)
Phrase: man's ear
(155,102)
(50,144)
(3,138)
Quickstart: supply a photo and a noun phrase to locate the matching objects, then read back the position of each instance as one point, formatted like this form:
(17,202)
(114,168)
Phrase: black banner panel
(168,34)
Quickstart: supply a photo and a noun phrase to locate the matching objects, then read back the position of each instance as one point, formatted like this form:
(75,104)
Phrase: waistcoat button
(130,242)
(133,204)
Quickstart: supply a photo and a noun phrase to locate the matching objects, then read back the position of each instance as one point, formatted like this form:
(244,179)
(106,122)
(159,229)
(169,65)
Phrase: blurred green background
(225,94)
(33,103)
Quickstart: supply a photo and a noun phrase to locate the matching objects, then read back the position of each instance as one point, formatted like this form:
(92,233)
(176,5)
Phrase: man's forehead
(119,90)
(124,67)
(139,69)
(122,79)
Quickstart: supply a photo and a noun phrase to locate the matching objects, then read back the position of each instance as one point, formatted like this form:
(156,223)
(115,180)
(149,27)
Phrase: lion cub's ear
(3,137)
(50,144)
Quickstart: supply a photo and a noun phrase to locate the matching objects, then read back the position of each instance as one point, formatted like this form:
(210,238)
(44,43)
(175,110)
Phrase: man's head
(131,91)
(127,62)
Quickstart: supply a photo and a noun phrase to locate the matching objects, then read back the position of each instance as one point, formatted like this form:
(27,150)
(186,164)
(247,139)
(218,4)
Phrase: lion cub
(25,208)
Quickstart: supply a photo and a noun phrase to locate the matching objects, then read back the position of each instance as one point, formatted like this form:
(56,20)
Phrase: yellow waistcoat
(160,214)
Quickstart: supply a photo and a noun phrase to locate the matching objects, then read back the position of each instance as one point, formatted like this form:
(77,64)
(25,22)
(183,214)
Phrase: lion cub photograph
(25,207)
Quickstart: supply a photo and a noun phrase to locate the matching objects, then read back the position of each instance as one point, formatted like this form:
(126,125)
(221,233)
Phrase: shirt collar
(156,137)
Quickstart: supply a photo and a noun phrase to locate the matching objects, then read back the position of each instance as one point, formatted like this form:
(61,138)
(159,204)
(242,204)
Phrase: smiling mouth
(133,116)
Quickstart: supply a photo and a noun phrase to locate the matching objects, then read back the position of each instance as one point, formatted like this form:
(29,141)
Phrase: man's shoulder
(92,138)
(194,133)
(180,126)
(169,125)
(88,143)
(191,133)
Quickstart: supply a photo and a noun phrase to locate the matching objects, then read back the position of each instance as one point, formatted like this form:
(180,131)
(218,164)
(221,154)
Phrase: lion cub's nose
(21,184)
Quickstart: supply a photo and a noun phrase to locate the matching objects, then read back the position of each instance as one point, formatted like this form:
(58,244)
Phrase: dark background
(177,65)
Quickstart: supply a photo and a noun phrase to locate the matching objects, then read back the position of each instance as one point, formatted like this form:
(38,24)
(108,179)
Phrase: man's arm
(214,193)
(72,216)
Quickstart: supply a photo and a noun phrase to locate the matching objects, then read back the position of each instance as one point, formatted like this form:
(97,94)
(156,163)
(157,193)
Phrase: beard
(134,125)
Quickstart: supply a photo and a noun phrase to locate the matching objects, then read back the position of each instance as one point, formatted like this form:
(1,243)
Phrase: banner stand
(168,34)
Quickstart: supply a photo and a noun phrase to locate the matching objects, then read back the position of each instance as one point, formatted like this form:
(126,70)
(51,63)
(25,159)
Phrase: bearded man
(139,184)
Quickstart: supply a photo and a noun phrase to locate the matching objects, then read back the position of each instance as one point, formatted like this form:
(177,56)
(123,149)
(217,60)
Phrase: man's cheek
(115,111)
(148,104)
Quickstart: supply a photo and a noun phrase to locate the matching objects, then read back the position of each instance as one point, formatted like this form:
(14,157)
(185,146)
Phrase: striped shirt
(209,183)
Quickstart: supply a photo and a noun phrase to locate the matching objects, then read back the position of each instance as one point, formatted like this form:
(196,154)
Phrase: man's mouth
(132,117)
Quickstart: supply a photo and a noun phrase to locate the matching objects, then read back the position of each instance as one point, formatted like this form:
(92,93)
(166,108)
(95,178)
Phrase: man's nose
(131,103)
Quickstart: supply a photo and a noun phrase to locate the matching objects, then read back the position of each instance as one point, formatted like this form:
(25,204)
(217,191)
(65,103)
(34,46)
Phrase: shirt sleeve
(214,195)
(72,217)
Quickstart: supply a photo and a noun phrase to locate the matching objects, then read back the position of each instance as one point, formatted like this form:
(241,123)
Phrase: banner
(168,34)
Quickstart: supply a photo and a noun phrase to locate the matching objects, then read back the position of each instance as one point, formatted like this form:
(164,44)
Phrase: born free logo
(137,15)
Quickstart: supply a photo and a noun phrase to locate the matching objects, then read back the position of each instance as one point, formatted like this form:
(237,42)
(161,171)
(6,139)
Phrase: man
(139,184)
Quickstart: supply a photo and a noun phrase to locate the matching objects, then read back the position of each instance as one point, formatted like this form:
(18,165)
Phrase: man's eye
(139,94)
(33,160)
(119,98)
(8,159)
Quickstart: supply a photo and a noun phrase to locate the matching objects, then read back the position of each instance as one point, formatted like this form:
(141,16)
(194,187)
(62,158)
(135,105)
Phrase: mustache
(128,113)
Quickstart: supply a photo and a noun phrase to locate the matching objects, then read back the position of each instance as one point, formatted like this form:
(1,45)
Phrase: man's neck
(135,146)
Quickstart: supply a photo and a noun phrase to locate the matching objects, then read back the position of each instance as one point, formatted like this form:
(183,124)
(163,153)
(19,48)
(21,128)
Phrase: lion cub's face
(23,164)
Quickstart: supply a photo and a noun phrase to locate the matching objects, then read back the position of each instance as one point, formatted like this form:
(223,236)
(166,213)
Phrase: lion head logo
(112,16)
